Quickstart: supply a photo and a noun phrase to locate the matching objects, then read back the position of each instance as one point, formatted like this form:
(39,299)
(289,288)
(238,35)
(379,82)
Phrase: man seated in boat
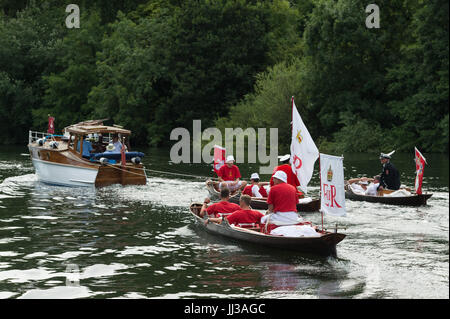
(256,188)
(98,144)
(229,176)
(223,207)
(244,217)
(87,147)
(291,177)
(282,203)
(372,189)
(390,177)
(117,144)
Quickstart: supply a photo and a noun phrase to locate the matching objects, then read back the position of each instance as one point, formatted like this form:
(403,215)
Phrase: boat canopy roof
(95,126)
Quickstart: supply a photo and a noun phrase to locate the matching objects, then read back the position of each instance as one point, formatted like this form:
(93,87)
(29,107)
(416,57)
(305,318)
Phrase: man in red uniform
(256,189)
(282,202)
(244,217)
(291,177)
(229,176)
(223,207)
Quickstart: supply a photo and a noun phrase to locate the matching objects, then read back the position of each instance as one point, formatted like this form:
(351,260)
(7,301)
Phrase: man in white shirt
(372,189)
(117,144)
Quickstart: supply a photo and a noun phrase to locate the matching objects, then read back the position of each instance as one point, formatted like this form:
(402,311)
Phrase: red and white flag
(219,158)
(51,125)
(420,164)
(332,186)
(304,152)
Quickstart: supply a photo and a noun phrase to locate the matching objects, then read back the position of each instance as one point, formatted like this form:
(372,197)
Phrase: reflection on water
(138,242)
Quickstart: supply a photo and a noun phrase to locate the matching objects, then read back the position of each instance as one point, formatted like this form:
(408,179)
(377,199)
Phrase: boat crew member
(282,202)
(291,177)
(243,217)
(223,207)
(87,147)
(229,176)
(256,189)
(98,143)
(372,189)
(116,143)
(390,177)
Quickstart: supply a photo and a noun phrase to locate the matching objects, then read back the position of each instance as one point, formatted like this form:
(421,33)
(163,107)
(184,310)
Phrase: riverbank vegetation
(154,65)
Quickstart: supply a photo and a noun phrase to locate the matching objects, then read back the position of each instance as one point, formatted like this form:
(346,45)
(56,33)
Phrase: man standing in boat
(291,177)
(390,177)
(282,203)
(229,176)
(223,207)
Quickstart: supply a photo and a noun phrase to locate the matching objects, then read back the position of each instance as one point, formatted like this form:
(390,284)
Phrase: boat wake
(13,186)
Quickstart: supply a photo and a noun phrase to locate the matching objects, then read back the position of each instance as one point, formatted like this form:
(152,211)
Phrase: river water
(138,241)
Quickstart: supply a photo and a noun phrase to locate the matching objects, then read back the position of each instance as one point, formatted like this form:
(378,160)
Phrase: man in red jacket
(282,202)
(229,176)
(223,207)
(244,217)
(291,177)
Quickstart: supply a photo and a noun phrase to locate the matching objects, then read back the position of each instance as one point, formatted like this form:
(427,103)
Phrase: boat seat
(250,226)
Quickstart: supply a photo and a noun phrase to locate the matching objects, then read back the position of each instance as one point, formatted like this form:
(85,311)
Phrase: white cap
(230,158)
(281,176)
(254,176)
(284,157)
(110,147)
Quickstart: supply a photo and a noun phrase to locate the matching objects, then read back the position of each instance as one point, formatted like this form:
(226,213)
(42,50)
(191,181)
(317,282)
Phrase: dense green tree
(153,65)
(186,61)
(67,90)
(419,81)
(28,46)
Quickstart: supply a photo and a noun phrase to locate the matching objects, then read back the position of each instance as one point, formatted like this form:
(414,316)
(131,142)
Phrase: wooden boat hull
(413,200)
(323,245)
(64,175)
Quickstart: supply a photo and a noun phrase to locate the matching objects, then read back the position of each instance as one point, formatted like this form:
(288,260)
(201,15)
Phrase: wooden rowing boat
(323,245)
(413,200)
(260,203)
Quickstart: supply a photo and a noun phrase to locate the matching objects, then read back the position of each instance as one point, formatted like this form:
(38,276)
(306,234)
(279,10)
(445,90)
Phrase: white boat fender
(103,160)
(53,144)
(136,160)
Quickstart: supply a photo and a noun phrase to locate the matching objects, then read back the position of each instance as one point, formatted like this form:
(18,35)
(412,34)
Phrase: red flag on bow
(219,158)
(51,125)
(420,164)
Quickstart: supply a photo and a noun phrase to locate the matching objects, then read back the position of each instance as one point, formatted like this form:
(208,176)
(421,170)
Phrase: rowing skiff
(323,245)
(413,200)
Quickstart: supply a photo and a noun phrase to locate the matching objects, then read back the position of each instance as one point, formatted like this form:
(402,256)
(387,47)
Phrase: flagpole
(320,191)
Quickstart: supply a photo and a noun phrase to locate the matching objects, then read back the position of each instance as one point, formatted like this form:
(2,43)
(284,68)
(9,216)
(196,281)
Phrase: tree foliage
(154,65)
